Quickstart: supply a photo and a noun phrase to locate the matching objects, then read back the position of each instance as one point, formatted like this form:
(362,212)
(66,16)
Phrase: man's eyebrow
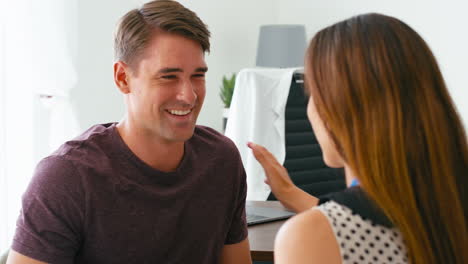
(201,69)
(169,70)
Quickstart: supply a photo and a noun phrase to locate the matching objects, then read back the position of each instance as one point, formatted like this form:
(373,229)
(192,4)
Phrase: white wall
(234,27)
(95,97)
(442,24)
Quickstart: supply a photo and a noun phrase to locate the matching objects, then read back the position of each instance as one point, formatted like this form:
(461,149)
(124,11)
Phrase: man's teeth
(180,112)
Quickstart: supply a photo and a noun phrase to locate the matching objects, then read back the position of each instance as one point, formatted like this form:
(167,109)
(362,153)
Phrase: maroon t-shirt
(94,201)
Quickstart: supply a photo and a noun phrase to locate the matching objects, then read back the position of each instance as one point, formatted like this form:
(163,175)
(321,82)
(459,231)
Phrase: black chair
(304,160)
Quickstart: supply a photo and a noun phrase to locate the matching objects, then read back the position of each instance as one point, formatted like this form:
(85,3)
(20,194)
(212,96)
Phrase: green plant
(227,89)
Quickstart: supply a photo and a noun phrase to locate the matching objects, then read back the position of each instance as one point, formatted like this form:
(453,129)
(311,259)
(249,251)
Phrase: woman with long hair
(380,108)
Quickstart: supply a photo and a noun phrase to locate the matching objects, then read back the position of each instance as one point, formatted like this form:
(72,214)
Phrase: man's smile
(179,112)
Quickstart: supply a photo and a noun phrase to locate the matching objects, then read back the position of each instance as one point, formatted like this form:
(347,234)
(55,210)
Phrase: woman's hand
(280,183)
(276,175)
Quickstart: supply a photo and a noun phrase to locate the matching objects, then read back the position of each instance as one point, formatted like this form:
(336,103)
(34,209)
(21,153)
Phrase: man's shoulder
(210,136)
(92,141)
(208,132)
(66,164)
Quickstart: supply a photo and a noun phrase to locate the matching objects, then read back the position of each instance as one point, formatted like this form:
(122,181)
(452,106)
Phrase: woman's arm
(307,238)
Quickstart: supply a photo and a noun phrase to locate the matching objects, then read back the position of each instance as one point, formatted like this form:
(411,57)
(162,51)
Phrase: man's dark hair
(137,26)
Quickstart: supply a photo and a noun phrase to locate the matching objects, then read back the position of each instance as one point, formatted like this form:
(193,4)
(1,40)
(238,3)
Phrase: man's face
(167,88)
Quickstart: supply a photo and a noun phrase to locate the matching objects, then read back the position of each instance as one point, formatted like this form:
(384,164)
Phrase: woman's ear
(121,72)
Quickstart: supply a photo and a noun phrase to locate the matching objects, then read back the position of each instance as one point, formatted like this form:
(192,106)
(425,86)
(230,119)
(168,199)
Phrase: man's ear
(121,74)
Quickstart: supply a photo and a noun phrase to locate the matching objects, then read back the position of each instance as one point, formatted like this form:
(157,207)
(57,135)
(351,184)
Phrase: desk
(262,236)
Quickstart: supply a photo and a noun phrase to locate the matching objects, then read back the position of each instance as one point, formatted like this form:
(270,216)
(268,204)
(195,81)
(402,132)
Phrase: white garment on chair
(257,115)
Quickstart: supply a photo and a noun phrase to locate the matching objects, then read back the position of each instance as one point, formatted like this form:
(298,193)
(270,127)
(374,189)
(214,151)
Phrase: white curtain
(36,75)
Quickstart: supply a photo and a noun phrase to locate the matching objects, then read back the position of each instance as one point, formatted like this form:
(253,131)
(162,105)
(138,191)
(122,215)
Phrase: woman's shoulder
(362,240)
(307,238)
(346,227)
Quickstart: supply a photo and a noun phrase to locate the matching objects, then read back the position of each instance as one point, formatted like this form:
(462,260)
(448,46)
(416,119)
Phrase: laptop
(257,214)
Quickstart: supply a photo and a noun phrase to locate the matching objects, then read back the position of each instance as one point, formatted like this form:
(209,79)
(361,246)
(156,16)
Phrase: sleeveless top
(363,233)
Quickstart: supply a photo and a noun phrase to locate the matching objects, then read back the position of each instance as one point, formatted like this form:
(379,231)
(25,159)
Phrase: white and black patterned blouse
(363,233)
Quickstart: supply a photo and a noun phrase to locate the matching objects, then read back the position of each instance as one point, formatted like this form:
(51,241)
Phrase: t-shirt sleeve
(238,230)
(49,227)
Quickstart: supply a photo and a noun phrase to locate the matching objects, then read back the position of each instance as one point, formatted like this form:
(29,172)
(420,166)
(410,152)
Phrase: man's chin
(182,134)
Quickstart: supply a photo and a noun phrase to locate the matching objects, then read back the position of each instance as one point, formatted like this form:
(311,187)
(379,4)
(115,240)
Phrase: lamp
(281,46)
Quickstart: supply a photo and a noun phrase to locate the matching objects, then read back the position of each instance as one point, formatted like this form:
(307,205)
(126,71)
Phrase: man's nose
(187,93)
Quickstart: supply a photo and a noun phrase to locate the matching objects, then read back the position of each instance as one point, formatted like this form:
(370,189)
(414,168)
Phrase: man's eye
(168,77)
(199,75)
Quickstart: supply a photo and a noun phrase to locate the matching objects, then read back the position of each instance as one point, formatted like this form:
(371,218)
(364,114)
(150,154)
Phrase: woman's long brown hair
(380,92)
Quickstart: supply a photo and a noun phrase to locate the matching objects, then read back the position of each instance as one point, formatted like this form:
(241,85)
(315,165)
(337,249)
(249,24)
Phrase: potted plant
(227,89)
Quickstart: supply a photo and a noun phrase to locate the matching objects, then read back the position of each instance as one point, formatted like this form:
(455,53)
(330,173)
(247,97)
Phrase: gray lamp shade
(281,46)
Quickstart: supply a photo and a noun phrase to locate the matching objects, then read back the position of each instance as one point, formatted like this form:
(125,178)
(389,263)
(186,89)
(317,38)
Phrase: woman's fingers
(274,171)
(263,155)
(277,176)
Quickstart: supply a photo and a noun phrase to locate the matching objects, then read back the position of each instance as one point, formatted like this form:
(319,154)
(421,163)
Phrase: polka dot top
(370,239)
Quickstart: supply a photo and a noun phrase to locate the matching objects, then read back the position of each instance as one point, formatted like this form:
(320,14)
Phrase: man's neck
(163,156)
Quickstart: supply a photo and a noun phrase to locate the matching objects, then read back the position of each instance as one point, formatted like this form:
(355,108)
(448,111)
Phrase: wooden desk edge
(261,255)
(265,255)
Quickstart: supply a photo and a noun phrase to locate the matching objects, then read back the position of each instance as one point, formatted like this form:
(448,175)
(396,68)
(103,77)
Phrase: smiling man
(155,187)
